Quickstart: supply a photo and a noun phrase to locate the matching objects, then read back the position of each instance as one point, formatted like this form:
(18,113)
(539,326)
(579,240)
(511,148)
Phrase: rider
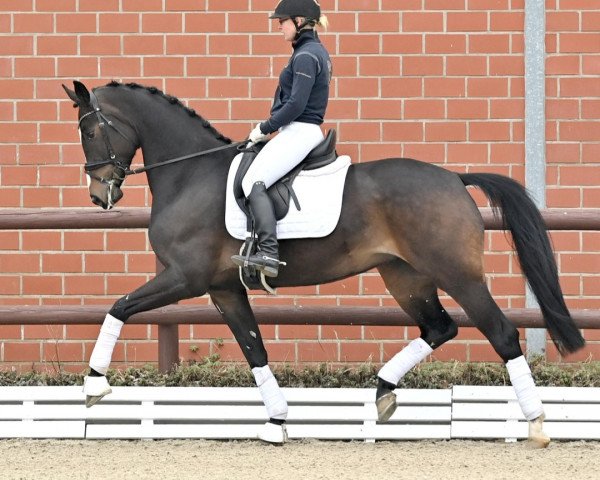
(297,113)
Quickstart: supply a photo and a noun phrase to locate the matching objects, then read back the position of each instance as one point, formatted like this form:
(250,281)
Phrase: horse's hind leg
(478,304)
(417,295)
(235,309)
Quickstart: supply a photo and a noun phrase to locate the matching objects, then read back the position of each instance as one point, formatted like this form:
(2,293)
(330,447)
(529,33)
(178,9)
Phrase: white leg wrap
(102,353)
(522,382)
(273,399)
(415,352)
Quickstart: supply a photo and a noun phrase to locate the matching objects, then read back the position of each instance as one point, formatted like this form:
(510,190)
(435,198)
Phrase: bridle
(122,170)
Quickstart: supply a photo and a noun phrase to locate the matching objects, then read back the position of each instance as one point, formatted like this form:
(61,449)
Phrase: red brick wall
(437,80)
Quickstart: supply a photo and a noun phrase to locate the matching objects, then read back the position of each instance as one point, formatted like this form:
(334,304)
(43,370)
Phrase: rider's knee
(248,182)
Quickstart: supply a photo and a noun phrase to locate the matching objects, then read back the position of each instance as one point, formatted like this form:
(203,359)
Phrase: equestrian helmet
(309,9)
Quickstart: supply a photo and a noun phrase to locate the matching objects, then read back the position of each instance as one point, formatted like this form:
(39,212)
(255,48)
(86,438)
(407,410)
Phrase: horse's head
(109,144)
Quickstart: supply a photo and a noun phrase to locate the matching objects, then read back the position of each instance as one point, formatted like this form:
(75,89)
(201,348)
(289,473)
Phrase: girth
(282,190)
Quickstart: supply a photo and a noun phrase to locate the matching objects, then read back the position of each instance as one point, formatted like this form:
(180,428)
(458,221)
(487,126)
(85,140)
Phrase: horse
(414,222)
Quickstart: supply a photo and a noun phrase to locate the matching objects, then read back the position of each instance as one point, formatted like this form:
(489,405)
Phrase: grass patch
(211,372)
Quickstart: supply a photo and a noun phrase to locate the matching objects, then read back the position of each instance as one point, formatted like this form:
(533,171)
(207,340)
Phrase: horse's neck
(170,139)
(184,180)
(171,135)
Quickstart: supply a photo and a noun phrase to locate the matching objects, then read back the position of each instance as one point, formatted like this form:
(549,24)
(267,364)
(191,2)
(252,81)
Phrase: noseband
(121,167)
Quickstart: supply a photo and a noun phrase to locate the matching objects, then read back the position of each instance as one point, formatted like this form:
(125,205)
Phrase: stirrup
(251,276)
(243,261)
(268,270)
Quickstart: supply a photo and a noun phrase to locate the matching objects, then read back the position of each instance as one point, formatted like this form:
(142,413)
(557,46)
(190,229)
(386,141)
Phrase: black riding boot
(266,259)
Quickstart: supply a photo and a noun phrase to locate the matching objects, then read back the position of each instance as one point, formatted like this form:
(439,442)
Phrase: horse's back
(412,183)
(408,172)
(415,210)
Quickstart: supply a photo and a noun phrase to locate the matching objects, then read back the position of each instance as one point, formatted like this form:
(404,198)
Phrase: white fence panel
(493,412)
(321,413)
(43,429)
(160,412)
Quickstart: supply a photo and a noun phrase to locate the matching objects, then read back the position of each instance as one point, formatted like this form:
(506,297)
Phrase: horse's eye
(90,135)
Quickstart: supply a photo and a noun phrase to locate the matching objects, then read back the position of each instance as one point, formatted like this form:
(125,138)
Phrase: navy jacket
(303,89)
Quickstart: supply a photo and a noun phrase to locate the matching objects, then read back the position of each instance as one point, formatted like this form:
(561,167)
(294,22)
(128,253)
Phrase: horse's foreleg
(237,313)
(479,305)
(417,295)
(164,289)
(95,385)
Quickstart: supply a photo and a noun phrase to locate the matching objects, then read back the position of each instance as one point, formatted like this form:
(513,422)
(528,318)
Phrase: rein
(135,171)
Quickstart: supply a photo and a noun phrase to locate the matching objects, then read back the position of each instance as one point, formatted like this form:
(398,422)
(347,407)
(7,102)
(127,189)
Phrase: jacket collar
(306,36)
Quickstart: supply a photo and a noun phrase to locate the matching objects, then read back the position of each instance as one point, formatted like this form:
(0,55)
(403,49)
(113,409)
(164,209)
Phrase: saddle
(282,191)
(280,194)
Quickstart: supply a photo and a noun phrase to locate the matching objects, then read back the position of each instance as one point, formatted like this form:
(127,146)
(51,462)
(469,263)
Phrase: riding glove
(257,135)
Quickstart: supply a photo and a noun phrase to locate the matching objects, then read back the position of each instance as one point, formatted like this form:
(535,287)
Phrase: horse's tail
(524,221)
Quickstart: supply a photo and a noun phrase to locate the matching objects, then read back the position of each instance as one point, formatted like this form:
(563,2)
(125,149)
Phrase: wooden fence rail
(168,318)
(174,315)
(94,218)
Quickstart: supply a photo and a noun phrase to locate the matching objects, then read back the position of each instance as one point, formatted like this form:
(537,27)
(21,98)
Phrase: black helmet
(310,9)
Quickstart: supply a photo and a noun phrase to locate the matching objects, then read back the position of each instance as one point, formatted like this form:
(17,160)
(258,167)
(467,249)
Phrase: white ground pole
(535,134)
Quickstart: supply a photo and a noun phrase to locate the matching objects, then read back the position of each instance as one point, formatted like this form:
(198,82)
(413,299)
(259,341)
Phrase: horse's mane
(174,101)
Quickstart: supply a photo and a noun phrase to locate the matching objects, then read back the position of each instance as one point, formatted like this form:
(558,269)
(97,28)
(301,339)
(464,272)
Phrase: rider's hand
(256,135)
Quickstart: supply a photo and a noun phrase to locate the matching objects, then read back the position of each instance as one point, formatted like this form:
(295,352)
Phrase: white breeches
(282,154)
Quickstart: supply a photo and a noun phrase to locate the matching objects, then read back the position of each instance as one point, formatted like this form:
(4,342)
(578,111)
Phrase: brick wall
(437,80)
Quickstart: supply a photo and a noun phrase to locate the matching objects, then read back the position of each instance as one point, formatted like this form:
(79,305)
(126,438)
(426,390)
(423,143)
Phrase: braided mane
(174,101)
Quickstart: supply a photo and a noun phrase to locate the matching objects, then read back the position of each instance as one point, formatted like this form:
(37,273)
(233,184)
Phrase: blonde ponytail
(323,22)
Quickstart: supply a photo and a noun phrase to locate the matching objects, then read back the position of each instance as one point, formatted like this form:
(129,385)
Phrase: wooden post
(168,347)
(168,340)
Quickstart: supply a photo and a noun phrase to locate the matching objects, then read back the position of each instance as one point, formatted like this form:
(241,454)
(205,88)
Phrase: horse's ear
(72,95)
(81,95)
(82,92)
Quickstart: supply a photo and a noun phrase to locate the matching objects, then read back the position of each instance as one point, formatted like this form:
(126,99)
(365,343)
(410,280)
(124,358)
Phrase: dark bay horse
(413,221)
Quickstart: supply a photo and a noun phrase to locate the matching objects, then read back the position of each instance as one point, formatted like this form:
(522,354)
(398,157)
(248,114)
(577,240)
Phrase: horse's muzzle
(113,195)
(97,201)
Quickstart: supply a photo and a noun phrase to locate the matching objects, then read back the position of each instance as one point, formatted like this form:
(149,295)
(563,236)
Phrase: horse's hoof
(541,441)
(537,437)
(274,434)
(386,406)
(91,400)
(95,388)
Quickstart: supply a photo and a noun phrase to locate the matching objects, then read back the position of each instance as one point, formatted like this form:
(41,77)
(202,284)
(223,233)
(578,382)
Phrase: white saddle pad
(319,193)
